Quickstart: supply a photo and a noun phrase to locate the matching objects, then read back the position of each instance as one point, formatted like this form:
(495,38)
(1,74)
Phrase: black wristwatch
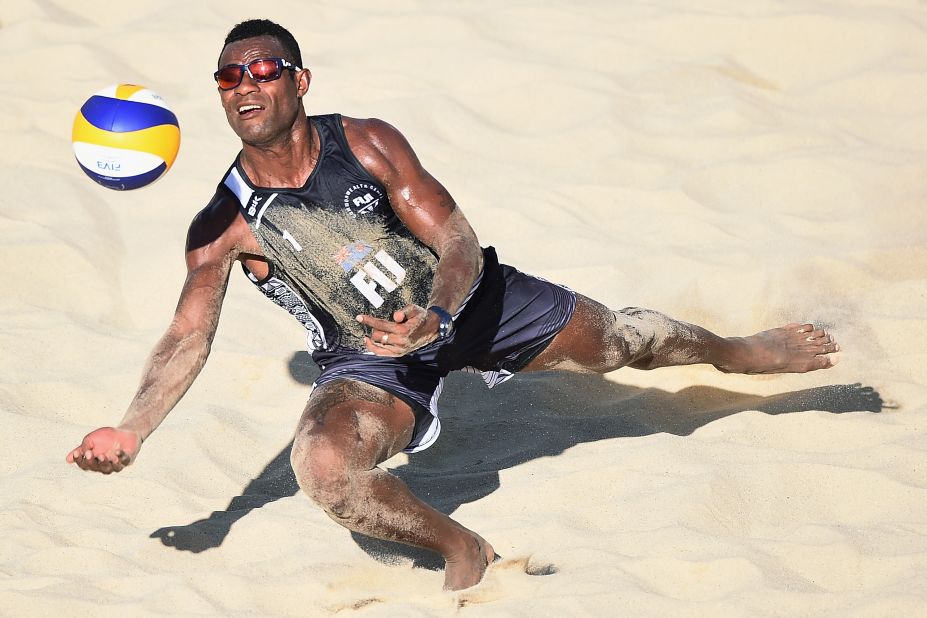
(447,322)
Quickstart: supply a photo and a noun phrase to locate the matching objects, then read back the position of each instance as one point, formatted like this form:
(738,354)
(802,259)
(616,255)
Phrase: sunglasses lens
(264,70)
(229,77)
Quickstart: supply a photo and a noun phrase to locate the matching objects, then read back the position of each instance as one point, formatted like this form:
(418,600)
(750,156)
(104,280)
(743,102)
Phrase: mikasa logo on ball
(125,137)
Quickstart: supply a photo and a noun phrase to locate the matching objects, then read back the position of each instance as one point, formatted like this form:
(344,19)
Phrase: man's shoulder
(215,220)
(373,141)
(367,129)
(223,205)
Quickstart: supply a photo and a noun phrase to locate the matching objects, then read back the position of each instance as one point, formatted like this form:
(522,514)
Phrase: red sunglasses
(260,70)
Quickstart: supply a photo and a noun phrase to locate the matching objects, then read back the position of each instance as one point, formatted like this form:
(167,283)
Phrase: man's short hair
(251,28)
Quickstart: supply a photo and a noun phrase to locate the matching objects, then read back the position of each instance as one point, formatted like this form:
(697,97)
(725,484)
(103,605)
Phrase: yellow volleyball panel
(125,91)
(162,140)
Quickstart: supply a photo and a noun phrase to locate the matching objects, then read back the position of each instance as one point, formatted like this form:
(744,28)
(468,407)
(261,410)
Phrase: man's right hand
(106,450)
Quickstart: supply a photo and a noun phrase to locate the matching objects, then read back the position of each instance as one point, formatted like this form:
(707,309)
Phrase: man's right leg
(598,339)
(346,430)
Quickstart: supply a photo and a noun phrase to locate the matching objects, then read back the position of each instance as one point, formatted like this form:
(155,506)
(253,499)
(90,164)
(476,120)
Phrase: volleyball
(125,137)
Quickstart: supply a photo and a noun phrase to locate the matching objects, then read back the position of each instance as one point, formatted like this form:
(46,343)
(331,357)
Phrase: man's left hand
(411,328)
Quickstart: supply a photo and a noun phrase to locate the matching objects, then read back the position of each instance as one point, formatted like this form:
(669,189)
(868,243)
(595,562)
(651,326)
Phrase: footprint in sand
(503,578)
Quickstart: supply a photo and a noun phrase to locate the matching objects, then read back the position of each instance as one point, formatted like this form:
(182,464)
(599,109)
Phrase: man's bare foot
(794,348)
(467,568)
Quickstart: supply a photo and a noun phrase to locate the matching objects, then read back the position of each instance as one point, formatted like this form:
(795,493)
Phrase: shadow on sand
(535,415)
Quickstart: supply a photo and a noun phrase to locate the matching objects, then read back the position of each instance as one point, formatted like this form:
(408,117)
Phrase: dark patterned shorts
(509,319)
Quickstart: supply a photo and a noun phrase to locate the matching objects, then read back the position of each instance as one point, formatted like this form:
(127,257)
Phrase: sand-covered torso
(336,248)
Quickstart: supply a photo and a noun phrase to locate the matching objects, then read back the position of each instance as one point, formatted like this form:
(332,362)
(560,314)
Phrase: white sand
(735,164)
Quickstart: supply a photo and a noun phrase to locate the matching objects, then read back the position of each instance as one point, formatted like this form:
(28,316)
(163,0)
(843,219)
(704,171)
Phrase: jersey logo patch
(362,198)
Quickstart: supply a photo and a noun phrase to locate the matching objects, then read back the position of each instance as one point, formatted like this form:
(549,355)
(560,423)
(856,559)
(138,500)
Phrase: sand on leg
(347,429)
(598,339)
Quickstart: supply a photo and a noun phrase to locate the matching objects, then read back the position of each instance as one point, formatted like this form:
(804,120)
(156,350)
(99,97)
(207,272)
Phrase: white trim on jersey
(237,184)
(315,338)
(283,296)
(257,221)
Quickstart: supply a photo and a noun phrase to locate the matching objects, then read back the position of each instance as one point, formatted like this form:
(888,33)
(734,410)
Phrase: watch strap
(446,325)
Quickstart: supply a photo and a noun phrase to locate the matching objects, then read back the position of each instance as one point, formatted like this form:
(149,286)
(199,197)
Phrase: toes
(815,334)
(821,361)
(805,328)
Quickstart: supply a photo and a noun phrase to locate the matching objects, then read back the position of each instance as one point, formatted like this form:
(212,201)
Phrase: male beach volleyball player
(335,219)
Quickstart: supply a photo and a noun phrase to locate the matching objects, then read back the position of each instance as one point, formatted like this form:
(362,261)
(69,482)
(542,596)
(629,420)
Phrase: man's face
(277,102)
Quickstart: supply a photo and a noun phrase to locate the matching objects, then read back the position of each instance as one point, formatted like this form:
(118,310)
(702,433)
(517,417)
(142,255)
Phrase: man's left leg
(346,430)
(600,340)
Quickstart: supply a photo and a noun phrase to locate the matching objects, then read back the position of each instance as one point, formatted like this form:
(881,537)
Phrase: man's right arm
(181,352)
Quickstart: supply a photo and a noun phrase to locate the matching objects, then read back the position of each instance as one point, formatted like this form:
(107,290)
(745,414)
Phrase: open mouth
(249,110)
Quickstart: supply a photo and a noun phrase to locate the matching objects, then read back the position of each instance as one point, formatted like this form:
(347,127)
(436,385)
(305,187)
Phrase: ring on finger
(384,339)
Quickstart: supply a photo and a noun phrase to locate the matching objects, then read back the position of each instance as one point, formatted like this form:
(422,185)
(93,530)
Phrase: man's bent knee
(598,339)
(346,430)
(323,473)
(634,335)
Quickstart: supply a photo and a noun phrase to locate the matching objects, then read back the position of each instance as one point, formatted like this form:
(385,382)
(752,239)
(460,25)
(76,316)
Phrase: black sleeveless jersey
(336,248)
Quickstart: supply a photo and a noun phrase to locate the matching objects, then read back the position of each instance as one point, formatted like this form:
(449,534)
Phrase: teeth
(247,108)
